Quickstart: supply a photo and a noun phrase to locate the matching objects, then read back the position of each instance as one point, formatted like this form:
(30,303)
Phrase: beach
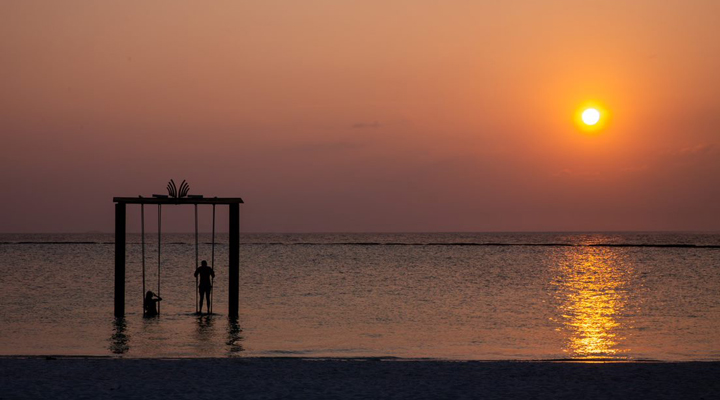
(368,378)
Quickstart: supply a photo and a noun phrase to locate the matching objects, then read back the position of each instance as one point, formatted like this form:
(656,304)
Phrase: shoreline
(371,358)
(323,378)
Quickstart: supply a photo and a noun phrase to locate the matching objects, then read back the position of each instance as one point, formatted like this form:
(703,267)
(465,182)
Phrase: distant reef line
(465,244)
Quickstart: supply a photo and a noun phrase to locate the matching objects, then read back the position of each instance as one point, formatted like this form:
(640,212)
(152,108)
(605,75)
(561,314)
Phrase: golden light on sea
(591,300)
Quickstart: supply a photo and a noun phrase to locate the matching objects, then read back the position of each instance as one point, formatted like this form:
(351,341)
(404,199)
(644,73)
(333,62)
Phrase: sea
(456,296)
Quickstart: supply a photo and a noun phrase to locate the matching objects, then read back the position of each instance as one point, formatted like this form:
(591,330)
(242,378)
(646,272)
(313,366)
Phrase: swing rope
(212,262)
(159,242)
(142,241)
(197,287)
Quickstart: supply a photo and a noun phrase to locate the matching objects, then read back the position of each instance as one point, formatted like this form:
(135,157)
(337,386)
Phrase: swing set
(176,197)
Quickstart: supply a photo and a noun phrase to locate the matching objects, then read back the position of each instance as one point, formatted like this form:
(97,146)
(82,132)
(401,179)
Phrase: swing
(181,197)
(212,264)
(142,241)
(197,257)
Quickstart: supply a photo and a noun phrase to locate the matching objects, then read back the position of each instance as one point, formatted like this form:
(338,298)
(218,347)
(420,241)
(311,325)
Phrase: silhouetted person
(150,304)
(205,285)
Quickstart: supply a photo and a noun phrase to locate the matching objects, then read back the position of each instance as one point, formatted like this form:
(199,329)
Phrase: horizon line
(378,232)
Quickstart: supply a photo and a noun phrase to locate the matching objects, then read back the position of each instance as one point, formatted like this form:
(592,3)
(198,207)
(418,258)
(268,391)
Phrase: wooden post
(120,259)
(234,261)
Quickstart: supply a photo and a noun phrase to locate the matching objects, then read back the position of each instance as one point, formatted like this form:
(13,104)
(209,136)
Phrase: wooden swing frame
(233,246)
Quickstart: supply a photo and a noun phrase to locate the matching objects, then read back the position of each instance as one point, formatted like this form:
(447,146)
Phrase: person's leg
(201,299)
(207,297)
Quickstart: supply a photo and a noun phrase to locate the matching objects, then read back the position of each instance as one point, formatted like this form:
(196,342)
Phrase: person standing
(205,286)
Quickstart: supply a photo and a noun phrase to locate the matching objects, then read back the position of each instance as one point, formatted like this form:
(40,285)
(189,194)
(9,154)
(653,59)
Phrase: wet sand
(275,378)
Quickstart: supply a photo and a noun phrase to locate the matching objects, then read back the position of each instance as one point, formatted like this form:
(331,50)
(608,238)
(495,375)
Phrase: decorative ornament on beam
(173,191)
(178,193)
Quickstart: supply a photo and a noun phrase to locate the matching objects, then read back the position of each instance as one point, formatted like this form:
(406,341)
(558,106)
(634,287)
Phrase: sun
(591,116)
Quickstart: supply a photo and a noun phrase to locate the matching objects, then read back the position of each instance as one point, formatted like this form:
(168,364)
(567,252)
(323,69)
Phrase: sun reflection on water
(591,290)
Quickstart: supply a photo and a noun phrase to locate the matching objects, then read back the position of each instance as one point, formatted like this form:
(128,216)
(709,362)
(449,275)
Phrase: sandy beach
(288,378)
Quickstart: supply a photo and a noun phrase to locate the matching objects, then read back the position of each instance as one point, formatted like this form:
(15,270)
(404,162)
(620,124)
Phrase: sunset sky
(353,116)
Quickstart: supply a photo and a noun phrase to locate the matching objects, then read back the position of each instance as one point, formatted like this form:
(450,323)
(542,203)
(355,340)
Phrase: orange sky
(403,115)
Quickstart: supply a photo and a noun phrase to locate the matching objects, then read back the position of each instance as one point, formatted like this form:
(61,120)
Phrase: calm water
(526,296)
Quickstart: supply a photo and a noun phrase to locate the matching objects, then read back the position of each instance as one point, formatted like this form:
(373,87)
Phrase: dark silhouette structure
(178,198)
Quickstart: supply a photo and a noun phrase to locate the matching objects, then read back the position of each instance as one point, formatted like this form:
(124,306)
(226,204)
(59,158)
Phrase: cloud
(332,146)
(636,168)
(700,149)
(697,154)
(366,125)
(567,172)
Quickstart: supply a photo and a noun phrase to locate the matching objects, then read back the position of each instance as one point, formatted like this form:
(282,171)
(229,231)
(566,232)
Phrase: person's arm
(212,273)
(196,272)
